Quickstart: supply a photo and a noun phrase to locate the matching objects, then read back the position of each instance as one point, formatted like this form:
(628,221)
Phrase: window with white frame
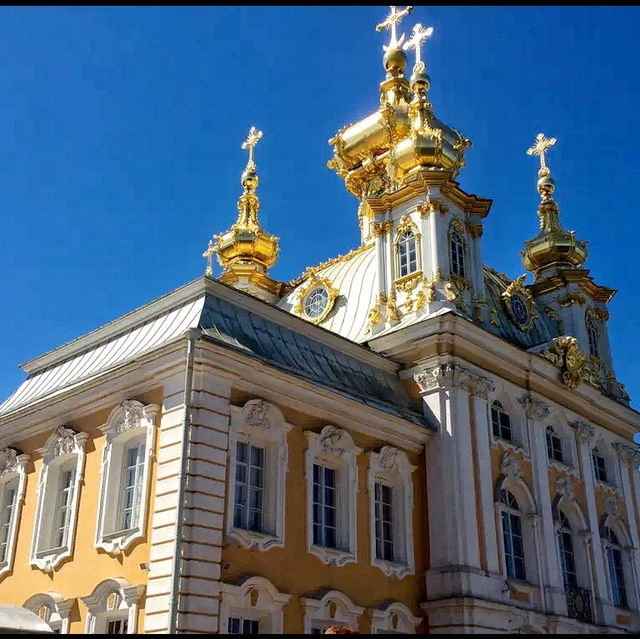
(457,249)
(554,445)
(407,253)
(332,486)
(52,609)
(58,494)
(500,421)
(13,476)
(334,609)
(258,468)
(512,537)
(255,607)
(396,618)
(391,511)
(599,465)
(113,607)
(126,475)
(616,570)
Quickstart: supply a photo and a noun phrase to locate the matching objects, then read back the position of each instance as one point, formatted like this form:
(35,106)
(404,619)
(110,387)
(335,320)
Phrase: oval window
(315,303)
(519,310)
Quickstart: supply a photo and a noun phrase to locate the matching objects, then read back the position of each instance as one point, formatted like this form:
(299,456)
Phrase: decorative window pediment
(126,473)
(332,486)
(53,609)
(253,607)
(58,494)
(259,464)
(391,512)
(13,478)
(396,618)
(333,609)
(113,607)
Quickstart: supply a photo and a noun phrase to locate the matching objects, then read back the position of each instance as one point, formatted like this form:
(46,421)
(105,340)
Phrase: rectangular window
(617,577)
(238,626)
(8,506)
(554,446)
(568,559)
(117,627)
(247,513)
(65,500)
(599,468)
(513,547)
(131,495)
(383,522)
(324,506)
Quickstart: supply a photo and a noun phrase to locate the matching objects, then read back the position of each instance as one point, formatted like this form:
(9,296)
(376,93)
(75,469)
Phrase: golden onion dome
(402,136)
(553,246)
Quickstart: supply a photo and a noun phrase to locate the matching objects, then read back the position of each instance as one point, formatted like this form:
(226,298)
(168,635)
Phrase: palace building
(401,440)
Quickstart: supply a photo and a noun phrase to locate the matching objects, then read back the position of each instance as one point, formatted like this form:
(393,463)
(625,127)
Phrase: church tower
(401,163)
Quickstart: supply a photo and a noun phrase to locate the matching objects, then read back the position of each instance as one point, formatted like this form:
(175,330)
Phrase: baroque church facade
(401,440)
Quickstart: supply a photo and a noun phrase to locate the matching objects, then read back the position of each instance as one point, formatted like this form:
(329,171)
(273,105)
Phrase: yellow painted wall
(294,571)
(78,575)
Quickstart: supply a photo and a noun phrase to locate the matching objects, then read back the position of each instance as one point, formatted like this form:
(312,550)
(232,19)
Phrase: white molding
(57,610)
(266,609)
(63,445)
(13,465)
(382,620)
(260,423)
(130,420)
(391,466)
(112,599)
(318,611)
(334,447)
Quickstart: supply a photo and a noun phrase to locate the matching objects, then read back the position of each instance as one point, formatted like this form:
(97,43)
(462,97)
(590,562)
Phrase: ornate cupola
(566,291)
(246,251)
(553,248)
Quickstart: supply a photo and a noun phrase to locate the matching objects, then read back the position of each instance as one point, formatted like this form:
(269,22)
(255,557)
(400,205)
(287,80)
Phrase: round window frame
(307,290)
(527,322)
(305,301)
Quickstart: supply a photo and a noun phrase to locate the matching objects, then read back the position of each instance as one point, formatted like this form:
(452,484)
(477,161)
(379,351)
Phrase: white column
(550,576)
(482,423)
(585,437)
(435,260)
(455,568)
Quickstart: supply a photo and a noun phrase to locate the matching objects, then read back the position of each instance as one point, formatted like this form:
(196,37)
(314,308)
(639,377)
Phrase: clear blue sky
(121,130)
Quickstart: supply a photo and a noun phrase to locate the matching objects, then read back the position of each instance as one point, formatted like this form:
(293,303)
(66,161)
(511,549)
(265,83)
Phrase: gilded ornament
(408,282)
(450,292)
(418,36)
(598,314)
(392,309)
(457,225)
(390,22)
(380,229)
(421,299)
(462,283)
(475,230)
(517,287)
(313,283)
(208,254)
(571,298)
(438,277)
(623,393)
(541,146)
(572,362)
(382,298)
(493,317)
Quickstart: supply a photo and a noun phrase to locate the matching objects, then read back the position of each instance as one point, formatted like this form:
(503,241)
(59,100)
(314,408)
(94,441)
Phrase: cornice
(579,276)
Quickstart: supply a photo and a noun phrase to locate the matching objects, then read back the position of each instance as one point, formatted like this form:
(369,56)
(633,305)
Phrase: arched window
(512,535)
(599,466)
(457,254)
(407,253)
(592,335)
(500,421)
(567,557)
(554,445)
(616,573)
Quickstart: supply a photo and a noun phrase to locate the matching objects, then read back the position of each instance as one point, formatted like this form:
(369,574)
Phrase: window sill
(393,568)
(563,467)
(332,556)
(253,539)
(47,560)
(605,485)
(509,445)
(522,584)
(116,542)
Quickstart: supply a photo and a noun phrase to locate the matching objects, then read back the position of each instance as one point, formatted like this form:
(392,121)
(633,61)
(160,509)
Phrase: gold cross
(390,22)
(540,148)
(250,143)
(208,254)
(419,35)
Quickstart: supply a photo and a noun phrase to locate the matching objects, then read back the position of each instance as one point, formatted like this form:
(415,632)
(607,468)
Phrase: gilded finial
(250,143)
(542,145)
(418,36)
(211,249)
(391,22)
